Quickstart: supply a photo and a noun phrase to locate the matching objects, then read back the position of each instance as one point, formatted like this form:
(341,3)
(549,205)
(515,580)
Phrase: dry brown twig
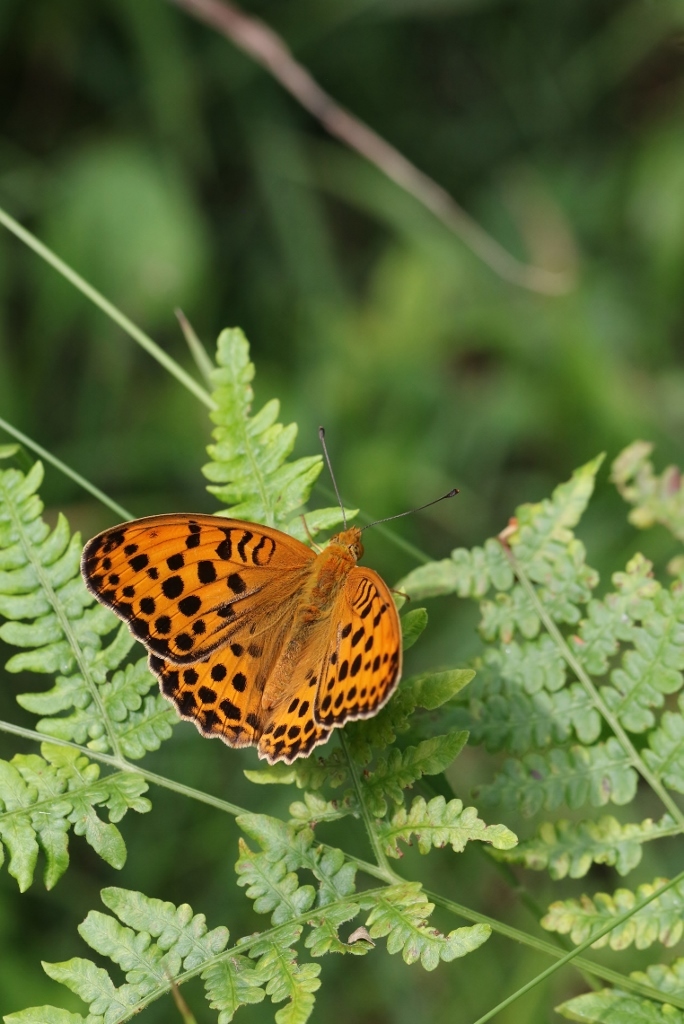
(260,42)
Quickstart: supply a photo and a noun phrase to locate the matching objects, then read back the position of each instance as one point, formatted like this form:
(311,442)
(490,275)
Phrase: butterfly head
(351,540)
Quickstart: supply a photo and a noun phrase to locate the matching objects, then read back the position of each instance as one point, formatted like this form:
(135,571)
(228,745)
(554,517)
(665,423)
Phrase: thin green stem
(533,942)
(627,745)
(197,349)
(182,1007)
(122,765)
(390,876)
(240,947)
(614,923)
(108,308)
(67,470)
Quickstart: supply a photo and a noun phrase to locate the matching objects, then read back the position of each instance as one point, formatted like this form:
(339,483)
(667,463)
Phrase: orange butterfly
(253,636)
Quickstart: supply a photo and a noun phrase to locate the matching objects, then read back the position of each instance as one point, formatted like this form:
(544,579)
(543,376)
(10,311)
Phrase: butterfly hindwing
(186,584)
(221,694)
(363,664)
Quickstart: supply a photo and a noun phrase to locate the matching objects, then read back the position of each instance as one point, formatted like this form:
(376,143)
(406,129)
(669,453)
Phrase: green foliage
(574,776)
(662,920)
(546,637)
(438,823)
(401,913)
(667,979)
(613,1007)
(249,471)
(566,848)
(656,498)
(60,627)
(666,748)
(369,316)
(397,770)
(42,797)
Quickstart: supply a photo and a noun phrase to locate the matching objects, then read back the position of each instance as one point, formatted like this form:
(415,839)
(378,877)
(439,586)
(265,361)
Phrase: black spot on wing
(206,572)
(242,544)
(263,551)
(236,583)
(229,710)
(172,587)
(190,605)
(225,548)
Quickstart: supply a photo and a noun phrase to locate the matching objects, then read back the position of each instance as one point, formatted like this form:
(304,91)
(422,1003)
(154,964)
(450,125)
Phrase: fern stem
(240,948)
(383,863)
(614,923)
(373,870)
(108,308)
(66,470)
(64,622)
(637,763)
(125,766)
(533,942)
(122,765)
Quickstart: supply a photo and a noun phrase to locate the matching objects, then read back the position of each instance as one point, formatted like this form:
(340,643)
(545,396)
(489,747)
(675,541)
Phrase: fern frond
(666,978)
(274,889)
(429,691)
(401,913)
(662,920)
(230,984)
(530,667)
(653,667)
(665,755)
(60,626)
(41,798)
(163,942)
(249,471)
(610,1006)
(157,944)
(468,573)
(285,978)
(577,776)
(439,823)
(324,936)
(287,848)
(567,848)
(138,720)
(544,545)
(610,620)
(656,499)
(507,719)
(396,771)
(314,809)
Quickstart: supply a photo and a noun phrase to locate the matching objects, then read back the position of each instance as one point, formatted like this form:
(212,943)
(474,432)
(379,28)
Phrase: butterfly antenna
(410,512)
(321,435)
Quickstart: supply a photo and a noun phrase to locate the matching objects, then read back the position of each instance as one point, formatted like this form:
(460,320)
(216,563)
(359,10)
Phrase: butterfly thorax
(330,571)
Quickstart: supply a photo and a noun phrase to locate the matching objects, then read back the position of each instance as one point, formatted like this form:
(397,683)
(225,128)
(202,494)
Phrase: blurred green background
(170,171)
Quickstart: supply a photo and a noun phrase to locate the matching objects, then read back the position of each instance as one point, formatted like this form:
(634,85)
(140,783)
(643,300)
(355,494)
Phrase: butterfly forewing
(186,585)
